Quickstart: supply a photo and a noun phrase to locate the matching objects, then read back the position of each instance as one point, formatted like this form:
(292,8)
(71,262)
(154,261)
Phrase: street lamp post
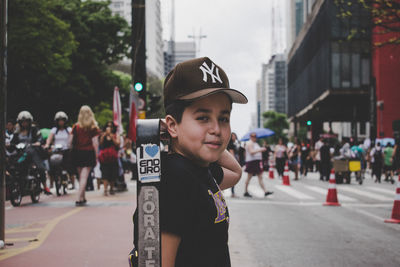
(3,96)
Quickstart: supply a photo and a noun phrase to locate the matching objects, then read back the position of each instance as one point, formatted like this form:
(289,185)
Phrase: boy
(194,215)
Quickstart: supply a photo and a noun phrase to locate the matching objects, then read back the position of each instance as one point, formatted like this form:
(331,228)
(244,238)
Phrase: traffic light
(138,86)
(309,123)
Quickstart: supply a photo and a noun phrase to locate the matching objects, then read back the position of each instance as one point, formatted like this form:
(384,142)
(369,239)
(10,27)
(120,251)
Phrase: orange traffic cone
(285,178)
(396,206)
(331,198)
(271,169)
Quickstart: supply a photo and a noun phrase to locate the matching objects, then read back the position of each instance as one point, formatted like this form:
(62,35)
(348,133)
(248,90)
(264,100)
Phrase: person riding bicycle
(30,135)
(59,136)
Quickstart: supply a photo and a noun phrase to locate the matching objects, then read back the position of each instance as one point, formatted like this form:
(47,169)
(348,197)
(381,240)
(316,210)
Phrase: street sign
(148,153)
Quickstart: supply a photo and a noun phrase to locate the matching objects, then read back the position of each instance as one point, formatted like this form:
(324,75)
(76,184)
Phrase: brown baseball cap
(197,78)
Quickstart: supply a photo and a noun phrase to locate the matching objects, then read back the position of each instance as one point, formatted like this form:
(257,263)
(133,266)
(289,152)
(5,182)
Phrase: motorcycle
(57,171)
(22,176)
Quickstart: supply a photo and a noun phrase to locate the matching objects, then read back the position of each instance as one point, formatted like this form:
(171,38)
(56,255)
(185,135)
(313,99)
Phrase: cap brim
(235,95)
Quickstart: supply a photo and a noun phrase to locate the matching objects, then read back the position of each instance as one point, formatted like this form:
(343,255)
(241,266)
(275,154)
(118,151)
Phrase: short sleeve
(53,130)
(217,172)
(177,201)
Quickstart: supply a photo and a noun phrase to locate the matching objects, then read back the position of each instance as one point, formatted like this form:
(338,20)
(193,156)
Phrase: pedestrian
(194,215)
(254,164)
(388,162)
(294,157)
(266,156)
(305,158)
(233,148)
(377,162)
(280,155)
(396,156)
(325,163)
(317,148)
(108,157)
(85,144)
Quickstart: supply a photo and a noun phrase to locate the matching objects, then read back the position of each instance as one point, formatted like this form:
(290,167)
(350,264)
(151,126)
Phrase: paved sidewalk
(56,233)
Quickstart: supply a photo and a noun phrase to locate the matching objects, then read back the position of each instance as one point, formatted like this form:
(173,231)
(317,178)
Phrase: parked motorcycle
(23,177)
(57,171)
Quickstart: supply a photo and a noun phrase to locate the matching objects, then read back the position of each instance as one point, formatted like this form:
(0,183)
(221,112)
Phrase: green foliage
(103,113)
(385,19)
(277,122)
(59,52)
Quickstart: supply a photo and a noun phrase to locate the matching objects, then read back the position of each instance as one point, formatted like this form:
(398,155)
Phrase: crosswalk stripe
(323,191)
(381,190)
(365,193)
(292,192)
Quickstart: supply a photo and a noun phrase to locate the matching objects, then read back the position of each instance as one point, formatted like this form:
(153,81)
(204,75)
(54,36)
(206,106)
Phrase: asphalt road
(293,228)
(289,228)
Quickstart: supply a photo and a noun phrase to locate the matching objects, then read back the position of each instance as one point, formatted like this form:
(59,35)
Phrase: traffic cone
(331,198)
(285,178)
(396,206)
(271,169)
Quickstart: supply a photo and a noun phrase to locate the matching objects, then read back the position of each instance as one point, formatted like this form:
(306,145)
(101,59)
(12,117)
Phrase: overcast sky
(238,39)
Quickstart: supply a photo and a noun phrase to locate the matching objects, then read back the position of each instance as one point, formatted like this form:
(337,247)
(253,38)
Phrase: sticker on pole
(149,163)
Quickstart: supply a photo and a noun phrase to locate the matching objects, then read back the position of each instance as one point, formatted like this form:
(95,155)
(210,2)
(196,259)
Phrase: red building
(386,70)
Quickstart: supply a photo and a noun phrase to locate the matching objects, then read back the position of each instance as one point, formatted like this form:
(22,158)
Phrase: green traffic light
(138,87)
(308,123)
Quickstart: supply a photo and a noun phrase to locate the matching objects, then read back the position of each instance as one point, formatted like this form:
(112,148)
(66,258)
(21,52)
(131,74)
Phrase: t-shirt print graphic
(220,205)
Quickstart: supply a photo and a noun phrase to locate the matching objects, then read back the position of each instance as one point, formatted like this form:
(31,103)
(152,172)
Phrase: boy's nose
(215,128)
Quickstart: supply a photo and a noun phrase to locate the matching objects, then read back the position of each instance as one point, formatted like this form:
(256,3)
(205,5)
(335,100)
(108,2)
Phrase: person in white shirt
(254,164)
(59,135)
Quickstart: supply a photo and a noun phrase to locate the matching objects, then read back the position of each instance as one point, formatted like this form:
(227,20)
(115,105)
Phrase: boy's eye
(224,119)
(202,118)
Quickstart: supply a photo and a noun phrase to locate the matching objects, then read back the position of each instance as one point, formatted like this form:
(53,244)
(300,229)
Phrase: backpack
(377,155)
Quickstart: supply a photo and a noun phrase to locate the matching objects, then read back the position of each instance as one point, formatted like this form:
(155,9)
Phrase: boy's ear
(171,126)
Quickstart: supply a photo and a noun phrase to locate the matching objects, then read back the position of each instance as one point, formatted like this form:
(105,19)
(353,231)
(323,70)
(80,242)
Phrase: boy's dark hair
(177,108)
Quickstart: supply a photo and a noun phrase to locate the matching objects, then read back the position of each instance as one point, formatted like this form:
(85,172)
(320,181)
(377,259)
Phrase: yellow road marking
(43,234)
(21,230)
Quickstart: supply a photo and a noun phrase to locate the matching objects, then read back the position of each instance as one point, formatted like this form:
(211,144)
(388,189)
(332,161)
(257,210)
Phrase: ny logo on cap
(207,70)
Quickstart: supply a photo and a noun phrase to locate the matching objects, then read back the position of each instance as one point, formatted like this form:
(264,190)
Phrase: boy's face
(204,132)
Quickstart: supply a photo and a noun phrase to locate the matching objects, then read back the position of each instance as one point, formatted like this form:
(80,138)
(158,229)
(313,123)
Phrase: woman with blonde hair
(85,145)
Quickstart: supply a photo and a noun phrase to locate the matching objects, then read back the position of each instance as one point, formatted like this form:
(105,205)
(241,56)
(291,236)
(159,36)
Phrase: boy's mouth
(214,144)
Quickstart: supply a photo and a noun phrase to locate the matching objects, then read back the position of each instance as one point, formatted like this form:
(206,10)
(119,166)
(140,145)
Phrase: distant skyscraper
(273,86)
(176,52)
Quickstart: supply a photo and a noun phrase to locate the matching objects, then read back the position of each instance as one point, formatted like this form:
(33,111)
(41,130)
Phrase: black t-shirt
(193,207)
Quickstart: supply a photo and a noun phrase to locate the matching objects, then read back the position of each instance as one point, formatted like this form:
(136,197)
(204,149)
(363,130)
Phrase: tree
(39,55)
(59,55)
(277,122)
(385,20)
(103,40)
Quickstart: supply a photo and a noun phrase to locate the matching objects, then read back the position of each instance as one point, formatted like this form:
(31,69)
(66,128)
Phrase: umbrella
(260,132)
(385,141)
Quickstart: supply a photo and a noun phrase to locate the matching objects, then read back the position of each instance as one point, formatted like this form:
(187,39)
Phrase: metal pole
(3,102)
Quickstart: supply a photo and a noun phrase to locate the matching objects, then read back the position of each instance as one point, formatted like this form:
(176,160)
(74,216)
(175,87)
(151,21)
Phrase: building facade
(273,90)
(177,52)
(329,76)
